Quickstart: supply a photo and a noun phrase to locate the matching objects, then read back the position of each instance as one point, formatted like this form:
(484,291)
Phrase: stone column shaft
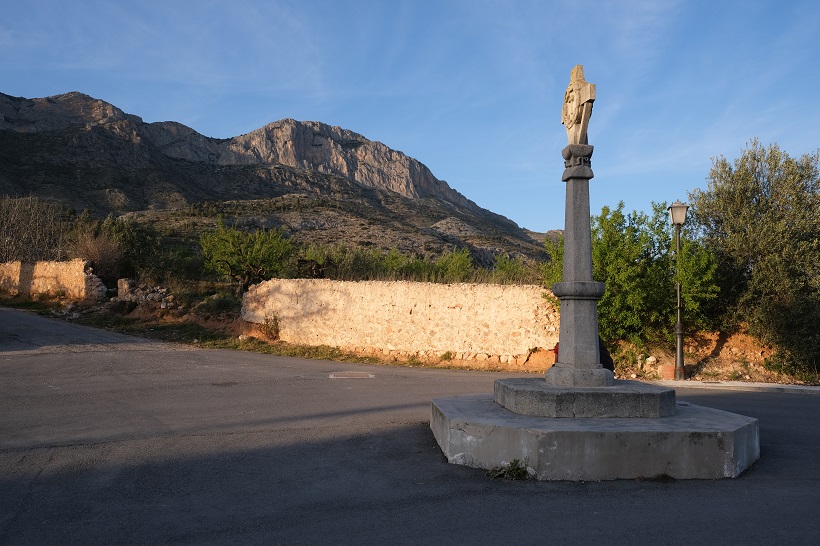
(579,360)
(577,235)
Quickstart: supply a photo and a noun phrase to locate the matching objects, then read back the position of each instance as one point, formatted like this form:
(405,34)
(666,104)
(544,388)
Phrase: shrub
(455,266)
(632,254)
(31,229)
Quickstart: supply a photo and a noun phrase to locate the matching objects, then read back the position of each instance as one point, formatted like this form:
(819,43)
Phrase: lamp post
(677,214)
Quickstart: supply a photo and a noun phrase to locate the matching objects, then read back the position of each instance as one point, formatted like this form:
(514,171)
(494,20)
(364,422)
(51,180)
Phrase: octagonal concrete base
(696,442)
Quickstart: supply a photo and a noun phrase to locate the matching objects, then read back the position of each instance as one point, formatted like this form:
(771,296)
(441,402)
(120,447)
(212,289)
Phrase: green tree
(632,254)
(139,242)
(759,216)
(631,257)
(246,256)
(553,268)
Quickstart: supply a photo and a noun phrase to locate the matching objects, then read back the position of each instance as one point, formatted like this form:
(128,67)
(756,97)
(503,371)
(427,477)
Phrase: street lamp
(677,214)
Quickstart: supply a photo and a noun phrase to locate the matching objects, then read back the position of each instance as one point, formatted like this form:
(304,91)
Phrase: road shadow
(25,332)
(387,483)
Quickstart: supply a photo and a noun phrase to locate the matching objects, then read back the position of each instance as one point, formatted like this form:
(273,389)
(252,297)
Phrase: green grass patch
(113,321)
(220,303)
(185,332)
(320,352)
(515,470)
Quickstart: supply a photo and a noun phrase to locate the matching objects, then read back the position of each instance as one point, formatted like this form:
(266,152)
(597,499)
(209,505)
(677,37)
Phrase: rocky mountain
(321,183)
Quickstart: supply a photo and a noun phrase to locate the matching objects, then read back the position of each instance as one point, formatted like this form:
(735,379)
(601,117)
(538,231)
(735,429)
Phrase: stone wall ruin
(496,324)
(73,280)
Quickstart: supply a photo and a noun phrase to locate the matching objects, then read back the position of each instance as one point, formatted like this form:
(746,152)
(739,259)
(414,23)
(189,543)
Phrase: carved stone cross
(577,108)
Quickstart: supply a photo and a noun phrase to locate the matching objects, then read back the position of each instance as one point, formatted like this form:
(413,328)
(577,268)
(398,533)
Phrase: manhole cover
(351,375)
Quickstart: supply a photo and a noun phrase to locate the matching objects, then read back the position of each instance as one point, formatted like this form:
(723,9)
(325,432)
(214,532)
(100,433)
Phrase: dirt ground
(708,356)
(712,356)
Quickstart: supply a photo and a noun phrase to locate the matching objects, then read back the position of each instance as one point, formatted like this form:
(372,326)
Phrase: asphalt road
(106,439)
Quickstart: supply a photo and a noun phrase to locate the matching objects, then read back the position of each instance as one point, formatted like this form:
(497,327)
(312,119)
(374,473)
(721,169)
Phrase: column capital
(577,161)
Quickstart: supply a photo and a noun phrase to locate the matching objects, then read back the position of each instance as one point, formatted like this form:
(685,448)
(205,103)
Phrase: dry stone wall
(73,280)
(463,322)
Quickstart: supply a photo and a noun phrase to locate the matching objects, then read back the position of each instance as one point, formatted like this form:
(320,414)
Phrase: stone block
(666,371)
(562,375)
(534,396)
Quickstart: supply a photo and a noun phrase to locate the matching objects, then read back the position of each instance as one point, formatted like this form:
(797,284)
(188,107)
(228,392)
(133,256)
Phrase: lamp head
(677,213)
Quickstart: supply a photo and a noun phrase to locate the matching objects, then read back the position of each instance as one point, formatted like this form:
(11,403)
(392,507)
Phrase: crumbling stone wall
(73,280)
(485,322)
(129,290)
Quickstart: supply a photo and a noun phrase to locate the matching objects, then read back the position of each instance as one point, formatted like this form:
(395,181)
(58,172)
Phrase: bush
(246,256)
(509,270)
(32,229)
(632,254)
(106,256)
(116,247)
(455,266)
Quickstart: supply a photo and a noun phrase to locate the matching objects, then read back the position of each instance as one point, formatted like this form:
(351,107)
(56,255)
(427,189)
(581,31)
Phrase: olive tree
(759,216)
(246,256)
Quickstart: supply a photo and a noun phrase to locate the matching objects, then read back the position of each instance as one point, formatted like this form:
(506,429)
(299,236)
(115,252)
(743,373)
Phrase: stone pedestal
(695,443)
(579,360)
(538,398)
(628,430)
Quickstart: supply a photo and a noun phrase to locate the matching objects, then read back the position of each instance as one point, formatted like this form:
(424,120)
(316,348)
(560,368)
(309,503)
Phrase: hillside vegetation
(320,184)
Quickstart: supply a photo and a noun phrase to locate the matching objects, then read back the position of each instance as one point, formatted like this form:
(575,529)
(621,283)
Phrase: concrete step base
(534,396)
(696,442)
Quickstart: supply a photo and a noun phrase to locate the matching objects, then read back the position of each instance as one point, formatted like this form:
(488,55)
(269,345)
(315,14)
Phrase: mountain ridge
(90,154)
(316,145)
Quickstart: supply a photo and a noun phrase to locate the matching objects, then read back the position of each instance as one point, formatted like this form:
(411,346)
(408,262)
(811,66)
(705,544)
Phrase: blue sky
(471,88)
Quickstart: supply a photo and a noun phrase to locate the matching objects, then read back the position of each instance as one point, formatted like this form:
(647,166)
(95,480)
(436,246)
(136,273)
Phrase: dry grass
(214,322)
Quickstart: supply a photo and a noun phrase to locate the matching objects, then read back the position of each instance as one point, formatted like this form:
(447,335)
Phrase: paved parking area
(109,439)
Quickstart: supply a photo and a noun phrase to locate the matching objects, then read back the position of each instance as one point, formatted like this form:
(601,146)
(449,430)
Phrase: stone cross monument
(579,361)
(577,422)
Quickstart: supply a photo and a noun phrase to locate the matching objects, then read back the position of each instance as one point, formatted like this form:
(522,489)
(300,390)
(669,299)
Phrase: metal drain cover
(351,375)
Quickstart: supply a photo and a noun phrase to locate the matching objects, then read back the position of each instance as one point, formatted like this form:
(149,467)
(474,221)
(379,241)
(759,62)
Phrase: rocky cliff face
(333,150)
(57,113)
(320,182)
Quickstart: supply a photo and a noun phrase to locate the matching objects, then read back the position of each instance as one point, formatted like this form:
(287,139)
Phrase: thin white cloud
(470,87)
(639,29)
